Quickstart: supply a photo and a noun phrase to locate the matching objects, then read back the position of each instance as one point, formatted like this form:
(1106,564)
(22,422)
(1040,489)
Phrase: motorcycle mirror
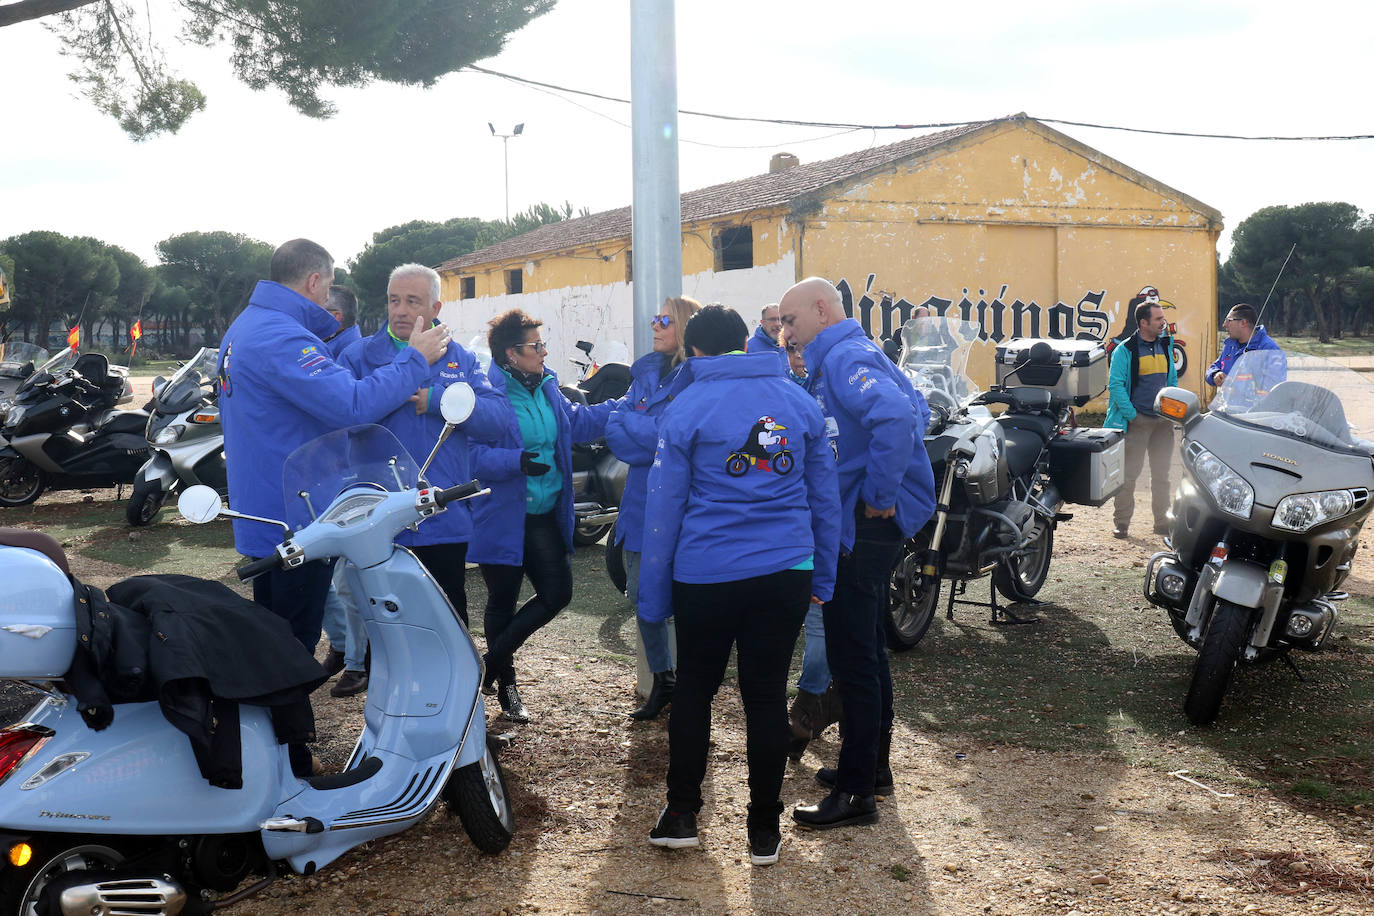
(585,347)
(458,402)
(199,504)
(1178,404)
(158,382)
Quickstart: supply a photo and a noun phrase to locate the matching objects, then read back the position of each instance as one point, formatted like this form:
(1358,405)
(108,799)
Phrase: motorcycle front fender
(1241,583)
(159,468)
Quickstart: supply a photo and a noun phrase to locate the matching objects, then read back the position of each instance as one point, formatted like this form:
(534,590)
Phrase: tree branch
(24,10)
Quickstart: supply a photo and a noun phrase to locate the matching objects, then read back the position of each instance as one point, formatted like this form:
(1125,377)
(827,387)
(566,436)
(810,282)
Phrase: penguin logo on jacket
(764,449)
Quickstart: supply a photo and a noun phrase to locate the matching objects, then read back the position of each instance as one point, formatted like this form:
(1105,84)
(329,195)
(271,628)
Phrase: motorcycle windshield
(934,355)
(1301,397)
(191,383)
(316,473)
(16,354)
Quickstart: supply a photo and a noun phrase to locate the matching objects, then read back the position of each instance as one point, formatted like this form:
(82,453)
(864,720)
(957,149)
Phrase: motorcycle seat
(1023,447)
(36,540)
(1040,424)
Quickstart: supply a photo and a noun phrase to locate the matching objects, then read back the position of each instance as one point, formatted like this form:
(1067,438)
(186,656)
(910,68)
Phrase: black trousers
(760,617)
(447,564)
(546,563)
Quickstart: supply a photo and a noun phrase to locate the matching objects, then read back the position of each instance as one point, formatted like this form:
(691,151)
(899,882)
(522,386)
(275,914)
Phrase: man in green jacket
(1141,365)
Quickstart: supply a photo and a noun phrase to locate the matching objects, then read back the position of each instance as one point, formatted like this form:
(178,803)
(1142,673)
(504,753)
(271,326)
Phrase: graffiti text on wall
(997,319)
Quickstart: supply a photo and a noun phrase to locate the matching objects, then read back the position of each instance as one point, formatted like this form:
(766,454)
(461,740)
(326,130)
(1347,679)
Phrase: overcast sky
(250,164)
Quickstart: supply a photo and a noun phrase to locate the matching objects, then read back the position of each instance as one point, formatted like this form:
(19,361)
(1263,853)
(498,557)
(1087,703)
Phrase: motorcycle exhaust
(604,517)
(160,896)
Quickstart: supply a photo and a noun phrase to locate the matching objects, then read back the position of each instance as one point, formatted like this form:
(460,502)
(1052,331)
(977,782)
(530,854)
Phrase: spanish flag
(135,333)
(74,336)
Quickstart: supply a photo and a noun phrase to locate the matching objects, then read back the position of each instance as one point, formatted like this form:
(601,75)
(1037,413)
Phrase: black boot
(660,695)
(882,783)
(512,710)
(803,717)
(831,712)
(837,810)
(489,675)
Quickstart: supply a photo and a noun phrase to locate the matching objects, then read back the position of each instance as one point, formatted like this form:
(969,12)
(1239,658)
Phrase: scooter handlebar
(460,491)
(258,567)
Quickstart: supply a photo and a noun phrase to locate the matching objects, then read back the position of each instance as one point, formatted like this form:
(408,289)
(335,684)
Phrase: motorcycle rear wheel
(1226,636)
(59,856)
(477,792)
(615,561)
(911,599)
(21,482)
(1021,576)
(145,502)
(587,535)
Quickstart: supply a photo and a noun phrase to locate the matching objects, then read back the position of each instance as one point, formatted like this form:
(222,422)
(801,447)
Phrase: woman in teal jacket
(524,527)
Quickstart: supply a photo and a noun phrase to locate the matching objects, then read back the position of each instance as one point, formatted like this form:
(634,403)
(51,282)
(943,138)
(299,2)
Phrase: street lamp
(505,153)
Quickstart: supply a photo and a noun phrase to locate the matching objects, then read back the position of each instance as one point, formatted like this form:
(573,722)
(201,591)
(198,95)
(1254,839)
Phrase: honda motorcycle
(63,432)
(1265,522)
(1001,481)
(186,438)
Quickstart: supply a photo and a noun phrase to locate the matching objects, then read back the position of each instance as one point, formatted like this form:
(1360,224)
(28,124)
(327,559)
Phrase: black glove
(531,467)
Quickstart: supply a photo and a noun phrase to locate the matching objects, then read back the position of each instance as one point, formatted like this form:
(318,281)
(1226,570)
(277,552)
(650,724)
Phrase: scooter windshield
(359,456)
(189,384)
(1301,397)
(17,354)
(934,356)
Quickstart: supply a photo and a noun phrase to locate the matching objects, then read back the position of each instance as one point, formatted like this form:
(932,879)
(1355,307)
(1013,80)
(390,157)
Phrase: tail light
(17,744)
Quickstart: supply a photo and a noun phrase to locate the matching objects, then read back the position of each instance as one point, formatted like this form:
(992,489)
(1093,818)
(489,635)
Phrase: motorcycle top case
(37,616)
(1088,464)
(1079,376)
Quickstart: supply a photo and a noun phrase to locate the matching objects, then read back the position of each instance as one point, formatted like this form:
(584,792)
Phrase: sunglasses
(793,348)
(539,346)
(661,321)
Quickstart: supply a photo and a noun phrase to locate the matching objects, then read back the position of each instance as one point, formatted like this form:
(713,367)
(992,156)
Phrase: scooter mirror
(199,504)
(457,403)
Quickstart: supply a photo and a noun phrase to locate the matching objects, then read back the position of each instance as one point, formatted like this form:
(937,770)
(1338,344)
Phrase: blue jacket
(632,434)
(1260,340)
(279,390)
(760,341)
(418,432)
(1120,381)
(743,483)
(345,338)
(498,519)
(877,423)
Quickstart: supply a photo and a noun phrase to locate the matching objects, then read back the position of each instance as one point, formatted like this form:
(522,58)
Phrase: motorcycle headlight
(168,434)
(1232,492)
(1304,510)
(15,416)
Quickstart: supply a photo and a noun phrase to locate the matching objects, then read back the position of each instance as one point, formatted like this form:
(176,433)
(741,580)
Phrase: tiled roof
(758,192)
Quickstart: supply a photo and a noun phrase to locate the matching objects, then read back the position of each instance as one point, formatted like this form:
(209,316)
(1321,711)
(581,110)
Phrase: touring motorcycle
(1265,522)
(17,361)
(1001,481)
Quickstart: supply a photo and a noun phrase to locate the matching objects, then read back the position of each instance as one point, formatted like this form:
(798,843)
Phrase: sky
(250,164)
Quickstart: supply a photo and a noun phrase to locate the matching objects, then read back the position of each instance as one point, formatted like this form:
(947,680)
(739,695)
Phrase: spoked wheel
(477,792)
(615,560)
(1226,635)
(145,502)
(22,887)
(911,599)
(587,535)
(20,482)
(1021,576)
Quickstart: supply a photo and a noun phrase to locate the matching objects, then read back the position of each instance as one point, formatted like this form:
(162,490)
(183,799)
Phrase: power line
(847,126)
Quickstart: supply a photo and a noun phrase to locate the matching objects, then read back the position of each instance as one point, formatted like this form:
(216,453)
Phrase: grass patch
(1344,346)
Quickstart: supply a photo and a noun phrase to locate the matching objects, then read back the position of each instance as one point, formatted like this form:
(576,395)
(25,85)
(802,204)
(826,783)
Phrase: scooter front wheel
(145,502)
(20,482)
(477,792)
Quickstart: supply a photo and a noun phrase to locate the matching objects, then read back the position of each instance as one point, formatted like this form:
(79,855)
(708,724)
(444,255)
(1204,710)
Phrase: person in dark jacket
(876,421)
(632,434)
(526,523)
(343,305)
(737,548)
(767,335)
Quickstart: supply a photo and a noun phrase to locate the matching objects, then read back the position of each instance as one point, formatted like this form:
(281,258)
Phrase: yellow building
(1007,223)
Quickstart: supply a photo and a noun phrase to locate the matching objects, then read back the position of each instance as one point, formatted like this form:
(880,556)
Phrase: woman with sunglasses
(632,434)
(525,526)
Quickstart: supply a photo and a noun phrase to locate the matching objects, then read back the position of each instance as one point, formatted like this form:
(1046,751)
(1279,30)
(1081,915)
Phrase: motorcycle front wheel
(477,792)
(1021,576)
(145,502)
(1226,636)
(911,599)
(20,482)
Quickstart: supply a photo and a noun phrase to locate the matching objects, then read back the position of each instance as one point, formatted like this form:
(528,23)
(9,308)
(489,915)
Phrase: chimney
(781,161)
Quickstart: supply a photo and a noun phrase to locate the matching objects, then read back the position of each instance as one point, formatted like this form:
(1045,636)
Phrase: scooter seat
(36,540)
(1023,447)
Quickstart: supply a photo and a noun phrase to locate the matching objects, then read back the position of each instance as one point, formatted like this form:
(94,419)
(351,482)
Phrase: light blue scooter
(94,821)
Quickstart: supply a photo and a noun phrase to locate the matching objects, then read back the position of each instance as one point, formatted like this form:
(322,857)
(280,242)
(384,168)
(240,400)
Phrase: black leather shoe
(837,810)
(352,683)
(660,695)
(333,661)
(512,710)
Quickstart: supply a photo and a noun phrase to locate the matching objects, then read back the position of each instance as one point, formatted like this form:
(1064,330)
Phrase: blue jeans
(857,649)
(655,635)
(815,672)
(343,623)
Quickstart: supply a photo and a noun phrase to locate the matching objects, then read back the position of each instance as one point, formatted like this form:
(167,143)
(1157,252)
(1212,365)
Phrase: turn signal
(1173,408)
(20,854)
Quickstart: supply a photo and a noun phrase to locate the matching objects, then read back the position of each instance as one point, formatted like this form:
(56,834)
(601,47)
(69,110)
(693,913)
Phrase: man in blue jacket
(876,422)
(767,335)
(343,305)
(279,389)
(1244,334)
(1140,367)
(440,543)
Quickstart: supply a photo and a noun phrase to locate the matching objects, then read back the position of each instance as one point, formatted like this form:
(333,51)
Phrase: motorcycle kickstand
(954,589)
(1009,619)
(1293,666)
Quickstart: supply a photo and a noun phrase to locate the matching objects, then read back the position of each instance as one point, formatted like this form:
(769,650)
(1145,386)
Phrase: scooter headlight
(1232,492)
(168,434)
(1304,510)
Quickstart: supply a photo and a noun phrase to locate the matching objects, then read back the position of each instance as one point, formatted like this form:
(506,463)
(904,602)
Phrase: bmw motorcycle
(17,361)
(186,438)
(63,432)
(1001,480)
(1265,522)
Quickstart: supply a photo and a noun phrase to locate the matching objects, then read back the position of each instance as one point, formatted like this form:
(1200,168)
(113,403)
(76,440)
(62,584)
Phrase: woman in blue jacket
(741,536)
(524,527)
(632,434)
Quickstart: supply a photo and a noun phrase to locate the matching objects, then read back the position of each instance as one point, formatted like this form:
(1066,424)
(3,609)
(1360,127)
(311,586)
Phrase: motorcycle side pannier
(1088,464)
(1080,376)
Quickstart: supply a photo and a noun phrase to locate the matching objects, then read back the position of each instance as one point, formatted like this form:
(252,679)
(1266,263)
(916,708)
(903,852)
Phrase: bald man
(876,421)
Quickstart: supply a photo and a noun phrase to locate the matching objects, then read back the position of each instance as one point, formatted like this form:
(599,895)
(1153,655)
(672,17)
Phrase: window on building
(467,288)
(734,248)
(515,281)
(629,266)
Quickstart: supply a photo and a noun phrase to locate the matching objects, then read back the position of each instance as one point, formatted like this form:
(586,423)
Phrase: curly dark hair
(507,330)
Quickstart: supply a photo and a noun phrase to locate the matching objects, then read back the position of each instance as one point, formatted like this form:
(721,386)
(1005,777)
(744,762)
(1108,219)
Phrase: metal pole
(657,213)
(505,157)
